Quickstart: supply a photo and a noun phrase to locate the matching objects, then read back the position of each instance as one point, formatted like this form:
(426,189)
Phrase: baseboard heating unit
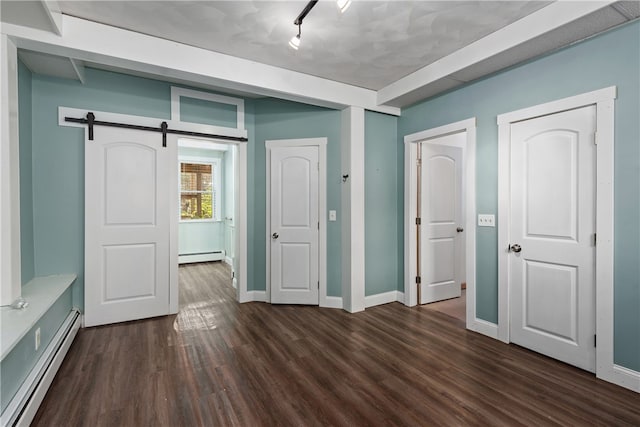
(201,257)
(25,403)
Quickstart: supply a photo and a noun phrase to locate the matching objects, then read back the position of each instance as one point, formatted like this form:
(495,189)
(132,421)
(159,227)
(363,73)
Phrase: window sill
(41,293)
(199,221)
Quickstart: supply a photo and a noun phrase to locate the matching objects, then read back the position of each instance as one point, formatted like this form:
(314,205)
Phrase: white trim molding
(321,143)
(10,267)
(178,92)
(383,298)
(410,210)
(604,100)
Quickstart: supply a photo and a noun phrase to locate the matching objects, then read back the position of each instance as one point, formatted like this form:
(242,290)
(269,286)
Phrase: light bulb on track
(343,5)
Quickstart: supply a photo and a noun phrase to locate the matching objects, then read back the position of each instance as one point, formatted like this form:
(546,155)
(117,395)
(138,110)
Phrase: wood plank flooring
(454,307)
(219,363)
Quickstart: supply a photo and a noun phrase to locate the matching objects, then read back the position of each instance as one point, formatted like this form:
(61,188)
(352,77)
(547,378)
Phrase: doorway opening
(439,221)
(207,204)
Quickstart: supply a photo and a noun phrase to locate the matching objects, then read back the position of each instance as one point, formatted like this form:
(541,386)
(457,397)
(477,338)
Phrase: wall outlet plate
(486,220)
(332,215)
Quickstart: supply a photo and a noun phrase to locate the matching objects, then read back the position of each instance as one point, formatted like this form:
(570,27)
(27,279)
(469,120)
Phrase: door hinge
(318,225)
(318,284)
(595,239)
(595,138)
(418,221)
(595,340)
(418,279)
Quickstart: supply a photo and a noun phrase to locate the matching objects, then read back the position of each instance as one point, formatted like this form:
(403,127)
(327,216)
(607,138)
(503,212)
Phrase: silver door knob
(459,229)
(275,235)
(514,248)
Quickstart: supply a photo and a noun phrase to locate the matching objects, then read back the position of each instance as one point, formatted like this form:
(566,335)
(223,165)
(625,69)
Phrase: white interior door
(294,228)
(552,220)
(442,245)
(127,215)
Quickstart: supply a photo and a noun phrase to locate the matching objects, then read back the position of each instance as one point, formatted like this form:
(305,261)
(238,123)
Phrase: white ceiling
(380,55)
(371,45)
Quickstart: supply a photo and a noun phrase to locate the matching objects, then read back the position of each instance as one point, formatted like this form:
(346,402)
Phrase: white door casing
(294,225)
(442,246)
(552,219)
(127,225)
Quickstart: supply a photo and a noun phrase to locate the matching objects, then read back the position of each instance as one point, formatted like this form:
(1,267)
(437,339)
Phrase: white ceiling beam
(538,23)
(52,9)
(92,42)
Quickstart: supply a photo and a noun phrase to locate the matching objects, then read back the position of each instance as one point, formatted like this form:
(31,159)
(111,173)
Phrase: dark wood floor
(219,363)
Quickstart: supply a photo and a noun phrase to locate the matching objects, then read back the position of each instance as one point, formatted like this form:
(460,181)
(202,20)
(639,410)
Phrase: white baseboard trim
(379,299)
(228,261)
(400,298)
(257,296)
(212,256)
(624,377)
(483,327)
(332,302)
(24,405)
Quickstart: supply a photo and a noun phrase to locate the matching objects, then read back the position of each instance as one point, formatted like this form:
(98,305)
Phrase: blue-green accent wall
(17,365)
(207,112)
(380,213)
(26,185)
(610,59)
(276,119)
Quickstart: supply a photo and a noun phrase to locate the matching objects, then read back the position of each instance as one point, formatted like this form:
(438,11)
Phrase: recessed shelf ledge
(41,293)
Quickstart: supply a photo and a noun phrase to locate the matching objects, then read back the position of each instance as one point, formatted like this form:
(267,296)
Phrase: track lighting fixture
(343,5)
(294,43)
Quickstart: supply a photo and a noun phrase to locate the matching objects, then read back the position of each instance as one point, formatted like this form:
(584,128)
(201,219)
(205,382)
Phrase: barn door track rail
(91,121)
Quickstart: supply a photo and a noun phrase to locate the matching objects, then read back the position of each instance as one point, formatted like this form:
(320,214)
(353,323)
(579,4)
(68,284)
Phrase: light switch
(332,215)
(486,220)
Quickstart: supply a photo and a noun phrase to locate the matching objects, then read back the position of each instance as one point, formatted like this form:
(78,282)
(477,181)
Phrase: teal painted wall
(276,119)
(381,214)
(26,185)
(609,59)
(58,159)
(198,237)
(15,367)
(207,112)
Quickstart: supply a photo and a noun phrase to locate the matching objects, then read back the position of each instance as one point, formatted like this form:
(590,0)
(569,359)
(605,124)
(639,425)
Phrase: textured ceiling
(371,45)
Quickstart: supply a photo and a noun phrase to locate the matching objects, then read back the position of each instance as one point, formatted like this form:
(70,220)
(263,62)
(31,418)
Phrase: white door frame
(410,209)
(603,99)
(241,200)
(321,143)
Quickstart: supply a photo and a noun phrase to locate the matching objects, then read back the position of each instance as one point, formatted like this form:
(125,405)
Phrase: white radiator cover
(25,403)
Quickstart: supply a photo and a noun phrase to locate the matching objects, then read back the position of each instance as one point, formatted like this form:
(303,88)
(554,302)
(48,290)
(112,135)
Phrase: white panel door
(127,215)
(294,225)
(442,247)
(551,271)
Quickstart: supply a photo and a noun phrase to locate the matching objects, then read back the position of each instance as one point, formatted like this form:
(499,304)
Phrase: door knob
(275,235)
(514,248)
(459,229)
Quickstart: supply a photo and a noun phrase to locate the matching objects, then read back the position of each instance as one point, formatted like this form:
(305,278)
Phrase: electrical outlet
(486,220)
(332,215)
(37,339)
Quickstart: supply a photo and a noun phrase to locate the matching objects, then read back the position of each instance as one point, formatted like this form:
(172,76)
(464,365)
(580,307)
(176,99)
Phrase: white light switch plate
(486,220)
(332,215)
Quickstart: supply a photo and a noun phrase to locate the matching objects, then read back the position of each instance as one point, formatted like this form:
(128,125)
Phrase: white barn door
(127,226)
(552,226)
(294,229)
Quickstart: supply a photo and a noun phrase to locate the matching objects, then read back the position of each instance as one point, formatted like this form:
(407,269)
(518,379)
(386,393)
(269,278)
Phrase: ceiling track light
(343,5)
(294,43)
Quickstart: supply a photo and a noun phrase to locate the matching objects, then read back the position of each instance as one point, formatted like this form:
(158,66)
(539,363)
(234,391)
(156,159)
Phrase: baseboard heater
(201,257)
(25,403)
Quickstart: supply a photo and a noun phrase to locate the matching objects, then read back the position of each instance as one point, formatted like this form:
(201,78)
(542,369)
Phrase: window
(199,190)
